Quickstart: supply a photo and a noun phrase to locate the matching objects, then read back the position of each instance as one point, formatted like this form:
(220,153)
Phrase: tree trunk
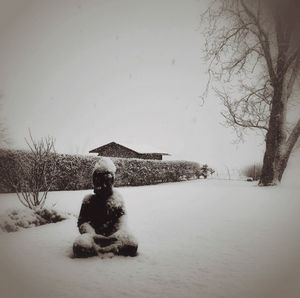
(291,142)
(270,171)
(275,141)
(282,166)
(278,146)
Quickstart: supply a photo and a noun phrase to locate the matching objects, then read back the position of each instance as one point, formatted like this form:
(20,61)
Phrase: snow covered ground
(205,238)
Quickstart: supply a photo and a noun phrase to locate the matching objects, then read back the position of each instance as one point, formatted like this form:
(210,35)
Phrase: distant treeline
(74,172)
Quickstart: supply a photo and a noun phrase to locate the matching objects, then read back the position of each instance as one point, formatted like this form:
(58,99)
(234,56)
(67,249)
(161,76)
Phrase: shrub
(17,219)
(31,175)
(145,172)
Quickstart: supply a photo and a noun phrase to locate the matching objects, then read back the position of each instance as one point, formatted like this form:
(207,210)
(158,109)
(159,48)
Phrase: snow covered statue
(102,218)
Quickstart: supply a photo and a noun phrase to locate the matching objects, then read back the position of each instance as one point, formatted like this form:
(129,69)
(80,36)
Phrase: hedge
(74,172)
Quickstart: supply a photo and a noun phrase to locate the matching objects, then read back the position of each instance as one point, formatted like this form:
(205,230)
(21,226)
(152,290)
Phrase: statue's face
(103,182)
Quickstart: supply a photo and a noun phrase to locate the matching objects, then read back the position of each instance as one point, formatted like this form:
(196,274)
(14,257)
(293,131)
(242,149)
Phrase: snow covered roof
(140,148)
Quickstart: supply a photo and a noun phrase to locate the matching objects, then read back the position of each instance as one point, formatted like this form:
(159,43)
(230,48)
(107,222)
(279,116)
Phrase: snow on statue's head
(104,176)
(105,165)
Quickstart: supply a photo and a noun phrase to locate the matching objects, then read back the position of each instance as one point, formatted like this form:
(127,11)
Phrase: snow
(105,164)
(85,240)
(141,147)
(13,219)
(21,218)
(204,238)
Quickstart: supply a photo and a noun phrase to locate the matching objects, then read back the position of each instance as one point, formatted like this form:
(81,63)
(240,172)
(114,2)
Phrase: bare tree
(253,49)
(31,174)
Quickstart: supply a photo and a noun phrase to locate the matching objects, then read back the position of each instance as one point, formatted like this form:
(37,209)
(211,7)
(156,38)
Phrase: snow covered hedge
(74,172)
(144,172)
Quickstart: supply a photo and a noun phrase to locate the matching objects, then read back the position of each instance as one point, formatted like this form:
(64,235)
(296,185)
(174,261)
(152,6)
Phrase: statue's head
(104,176)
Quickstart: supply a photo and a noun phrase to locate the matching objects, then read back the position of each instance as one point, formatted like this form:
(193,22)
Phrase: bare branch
(263,38)
(33,173)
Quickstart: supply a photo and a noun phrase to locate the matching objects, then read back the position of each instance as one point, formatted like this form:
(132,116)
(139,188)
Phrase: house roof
(141,149)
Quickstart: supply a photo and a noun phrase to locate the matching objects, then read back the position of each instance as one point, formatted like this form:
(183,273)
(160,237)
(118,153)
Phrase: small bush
(18,219)
(30,175)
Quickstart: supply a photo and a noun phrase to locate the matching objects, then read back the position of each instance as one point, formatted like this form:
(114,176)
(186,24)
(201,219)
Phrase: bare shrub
(32,175)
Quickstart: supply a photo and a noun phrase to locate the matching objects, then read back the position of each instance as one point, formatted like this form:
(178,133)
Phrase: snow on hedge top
(105,164)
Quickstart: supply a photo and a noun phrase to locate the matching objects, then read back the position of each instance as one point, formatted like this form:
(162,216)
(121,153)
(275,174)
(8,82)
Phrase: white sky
(94,71)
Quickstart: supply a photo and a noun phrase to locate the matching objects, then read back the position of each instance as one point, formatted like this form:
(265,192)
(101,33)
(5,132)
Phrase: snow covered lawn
(204,238)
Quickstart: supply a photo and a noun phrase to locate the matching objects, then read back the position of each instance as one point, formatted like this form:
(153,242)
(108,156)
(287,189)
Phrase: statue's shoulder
(116,199)
(87,199)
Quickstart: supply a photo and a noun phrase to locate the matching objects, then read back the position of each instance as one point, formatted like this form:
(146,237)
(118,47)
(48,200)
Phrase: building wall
(151,156)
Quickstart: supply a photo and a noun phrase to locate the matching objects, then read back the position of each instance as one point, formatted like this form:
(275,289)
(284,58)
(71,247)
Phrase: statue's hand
(86,228)
(104,241)
(112,248)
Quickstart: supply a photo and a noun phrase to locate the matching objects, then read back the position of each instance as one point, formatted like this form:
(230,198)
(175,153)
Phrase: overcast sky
(94,71)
